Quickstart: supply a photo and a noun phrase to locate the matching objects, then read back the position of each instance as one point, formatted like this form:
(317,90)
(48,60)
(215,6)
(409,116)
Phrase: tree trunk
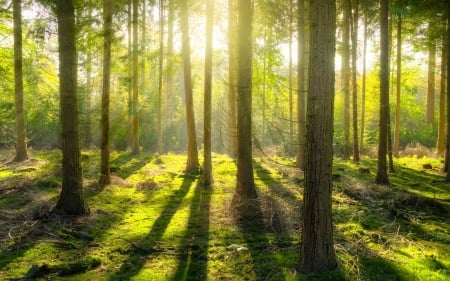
(21,144)
(105,173)
(291,78)
(447,146)
(169,74)
(382,177)
(354,32)
(130,74)
(431,81)
(71,200)
(363,94)
(441,126)
(207,163)
(243,200)
(346,74)
(192,153)
(232,78)
(160,76)
(88,133)
(301,89)
(135,85)
(317,247)
(399,87)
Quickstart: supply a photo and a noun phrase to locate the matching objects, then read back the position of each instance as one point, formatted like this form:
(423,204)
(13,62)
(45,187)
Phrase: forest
(224,140)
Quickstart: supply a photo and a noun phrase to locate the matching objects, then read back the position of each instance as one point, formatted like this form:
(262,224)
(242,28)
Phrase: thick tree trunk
(301,89)
(355,19)
(169,74)
(243,200)
(135,147)
(317,250)
(21,144)
(346,74)
(207,164)
(290,147)
(382,177)
(441,125)
(232,78)
(71,200)
(105,173)
(192,152)
(398,87)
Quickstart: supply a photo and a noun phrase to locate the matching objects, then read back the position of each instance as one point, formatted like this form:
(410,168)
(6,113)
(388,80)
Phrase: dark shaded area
(147,247)
(193,256)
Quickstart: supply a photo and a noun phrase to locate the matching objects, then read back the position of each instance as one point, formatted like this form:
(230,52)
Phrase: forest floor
(156,222)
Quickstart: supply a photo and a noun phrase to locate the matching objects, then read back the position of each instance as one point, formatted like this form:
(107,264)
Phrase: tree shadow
(147,247)
(193,258)
(126,164)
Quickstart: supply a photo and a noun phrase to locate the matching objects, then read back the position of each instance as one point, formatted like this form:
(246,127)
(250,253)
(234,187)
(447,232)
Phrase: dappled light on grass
(157,222)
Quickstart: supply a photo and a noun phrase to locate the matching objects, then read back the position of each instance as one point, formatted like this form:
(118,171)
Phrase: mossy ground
(156,222)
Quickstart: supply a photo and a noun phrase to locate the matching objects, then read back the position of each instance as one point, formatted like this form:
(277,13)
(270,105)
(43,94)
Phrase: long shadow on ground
(193,258)
(146,248)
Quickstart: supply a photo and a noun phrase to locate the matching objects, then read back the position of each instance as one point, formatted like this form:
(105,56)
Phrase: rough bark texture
(135,146)
(243,200)
(290,149)
(382,177)
(21,145)
(398,87)
(346,74)
(355,19)
(105,173)
(71,200)
(192,152)
(232,78)
(301,89)
(317,249)
(207,163)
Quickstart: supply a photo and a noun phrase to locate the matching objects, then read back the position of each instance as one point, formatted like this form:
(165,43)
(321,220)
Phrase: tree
(160,75)
(398,86)
(441,124)
(135,82)
(21,145)
(301,89)
(431,78)
(192,152)
(354,32)
(382,177)
(232,78)
(245,194)
(447,146)
(207,164)
(105,173)
(71,200)
(346,73)
(317,250)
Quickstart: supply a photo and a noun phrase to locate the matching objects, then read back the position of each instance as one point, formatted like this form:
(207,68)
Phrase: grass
(156,222)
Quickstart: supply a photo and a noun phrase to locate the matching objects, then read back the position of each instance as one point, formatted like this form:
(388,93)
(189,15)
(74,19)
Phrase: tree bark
(243,200)
(382,177)
(363,90)
(105,173)
(398,87)
(135,147)
(447,146)
(71,200)
(21,144)
(441,125)
(192,152)
(354,32)
(160,76)
(301,89)
(207,163)
(317,247)
(232,78)
(346,74)
(290,146)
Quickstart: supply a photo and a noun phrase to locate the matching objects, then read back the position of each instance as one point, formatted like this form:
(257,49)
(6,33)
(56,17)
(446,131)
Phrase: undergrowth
(157,222)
